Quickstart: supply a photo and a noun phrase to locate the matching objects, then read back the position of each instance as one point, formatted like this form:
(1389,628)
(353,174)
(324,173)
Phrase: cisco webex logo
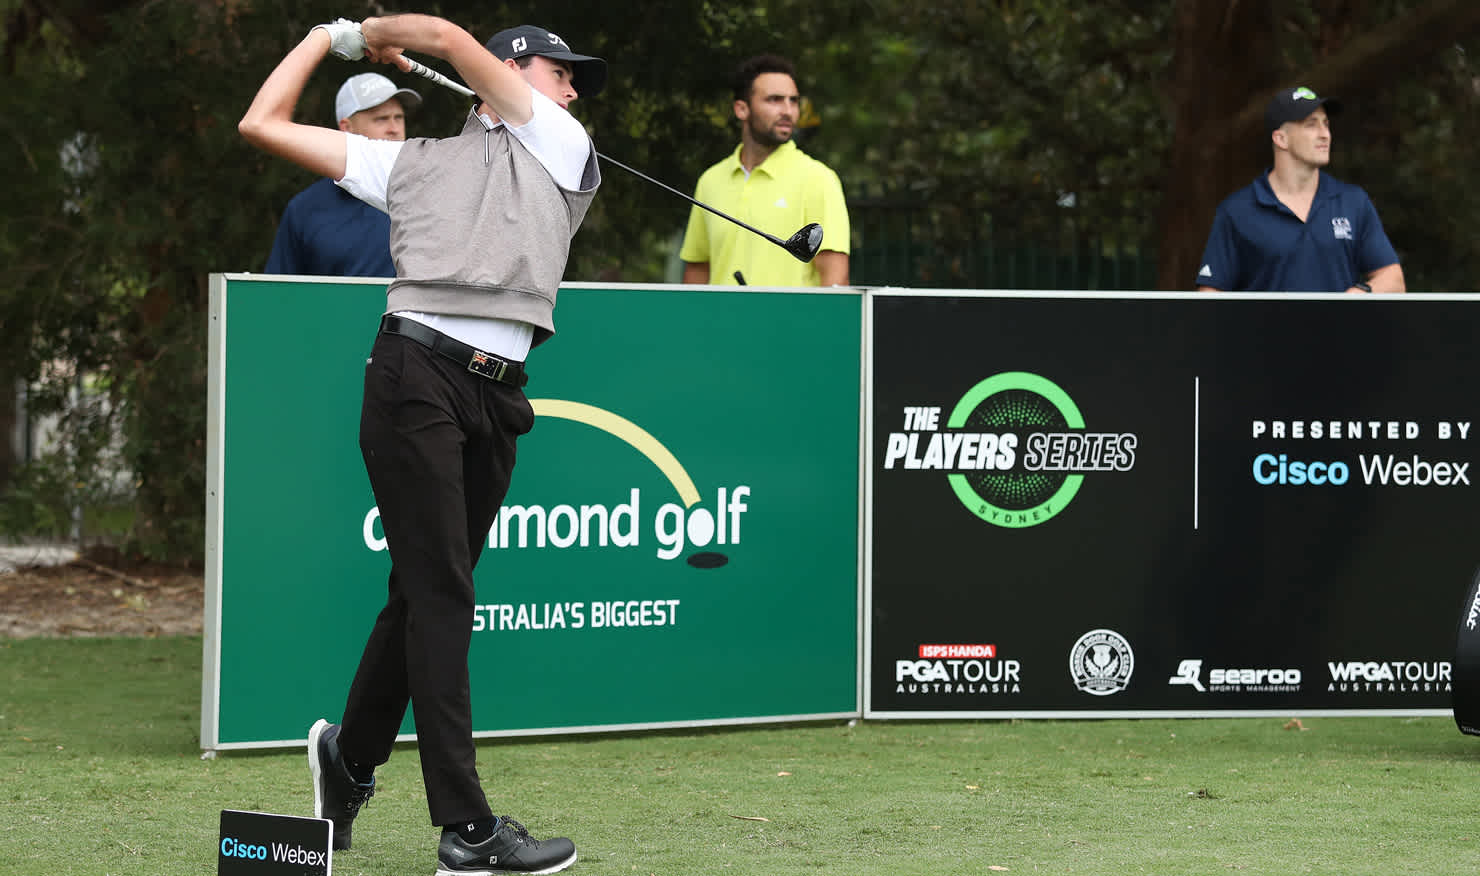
(1014,448)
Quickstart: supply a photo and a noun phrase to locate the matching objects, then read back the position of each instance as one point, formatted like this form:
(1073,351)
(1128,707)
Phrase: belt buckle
(488,366)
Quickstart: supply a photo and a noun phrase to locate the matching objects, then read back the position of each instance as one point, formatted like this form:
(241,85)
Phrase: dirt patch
(89,598)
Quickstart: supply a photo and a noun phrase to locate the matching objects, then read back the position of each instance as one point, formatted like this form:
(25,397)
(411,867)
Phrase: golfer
(481,225)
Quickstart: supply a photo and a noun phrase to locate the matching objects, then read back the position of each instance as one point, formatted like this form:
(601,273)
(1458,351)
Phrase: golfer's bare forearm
(268,123)
(279,93)
(500,86)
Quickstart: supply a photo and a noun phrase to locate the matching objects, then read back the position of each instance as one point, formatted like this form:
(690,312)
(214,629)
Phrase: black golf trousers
(438,443)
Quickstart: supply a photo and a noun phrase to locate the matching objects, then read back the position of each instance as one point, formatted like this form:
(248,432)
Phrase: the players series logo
(1015,449)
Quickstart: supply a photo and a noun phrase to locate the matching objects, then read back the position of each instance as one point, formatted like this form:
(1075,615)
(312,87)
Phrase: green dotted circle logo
(1015,401)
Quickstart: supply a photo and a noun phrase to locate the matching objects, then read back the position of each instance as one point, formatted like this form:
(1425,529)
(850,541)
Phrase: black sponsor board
(1168,503)
(265,844)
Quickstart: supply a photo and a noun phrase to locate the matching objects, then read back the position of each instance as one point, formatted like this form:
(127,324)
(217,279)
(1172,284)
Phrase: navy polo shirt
(1259,245)
(325,231)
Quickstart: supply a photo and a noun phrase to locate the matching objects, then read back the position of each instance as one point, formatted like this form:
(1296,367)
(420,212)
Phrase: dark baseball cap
(1294,105)
(526,39)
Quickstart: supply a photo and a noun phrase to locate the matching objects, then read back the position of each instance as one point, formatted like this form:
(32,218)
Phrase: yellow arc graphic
(640,439)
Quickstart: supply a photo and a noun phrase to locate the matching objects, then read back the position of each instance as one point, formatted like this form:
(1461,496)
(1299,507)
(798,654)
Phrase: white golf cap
(370,90)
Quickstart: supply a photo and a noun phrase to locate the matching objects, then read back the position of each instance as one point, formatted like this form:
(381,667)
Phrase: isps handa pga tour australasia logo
(1015,448)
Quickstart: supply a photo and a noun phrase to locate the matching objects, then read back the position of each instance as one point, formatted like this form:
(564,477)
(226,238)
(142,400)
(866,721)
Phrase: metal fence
(899,243)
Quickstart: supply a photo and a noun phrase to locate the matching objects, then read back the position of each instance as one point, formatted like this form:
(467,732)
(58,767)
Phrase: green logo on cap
(1303,94)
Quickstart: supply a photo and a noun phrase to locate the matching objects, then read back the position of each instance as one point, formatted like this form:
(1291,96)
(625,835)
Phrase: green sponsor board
(680,544)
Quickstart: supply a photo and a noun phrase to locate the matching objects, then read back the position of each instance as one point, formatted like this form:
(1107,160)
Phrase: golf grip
(426,72)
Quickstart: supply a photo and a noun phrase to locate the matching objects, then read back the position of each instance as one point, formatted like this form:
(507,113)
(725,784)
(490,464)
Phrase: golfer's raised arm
(268,123)
(499,85)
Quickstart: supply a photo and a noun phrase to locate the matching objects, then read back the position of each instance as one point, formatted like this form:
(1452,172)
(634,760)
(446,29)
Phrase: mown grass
(100,773)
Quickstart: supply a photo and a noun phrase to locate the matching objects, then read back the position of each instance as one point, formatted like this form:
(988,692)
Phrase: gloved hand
(345,39)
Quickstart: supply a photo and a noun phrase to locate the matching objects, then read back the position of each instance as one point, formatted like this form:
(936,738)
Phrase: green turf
(100,773)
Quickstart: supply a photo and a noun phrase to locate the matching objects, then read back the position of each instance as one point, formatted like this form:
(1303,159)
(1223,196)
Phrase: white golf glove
(345,39)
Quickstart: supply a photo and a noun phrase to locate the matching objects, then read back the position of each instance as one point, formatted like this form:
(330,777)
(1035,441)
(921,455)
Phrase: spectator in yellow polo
(769,183)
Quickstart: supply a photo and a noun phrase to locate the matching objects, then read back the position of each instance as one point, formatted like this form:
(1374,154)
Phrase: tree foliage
(1030,121)
(1038,121)
(1405,73)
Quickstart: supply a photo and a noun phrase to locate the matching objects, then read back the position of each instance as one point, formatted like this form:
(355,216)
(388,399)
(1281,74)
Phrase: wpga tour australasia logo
(1014,448)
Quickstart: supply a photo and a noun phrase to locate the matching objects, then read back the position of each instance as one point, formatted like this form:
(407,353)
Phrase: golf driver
(803,245)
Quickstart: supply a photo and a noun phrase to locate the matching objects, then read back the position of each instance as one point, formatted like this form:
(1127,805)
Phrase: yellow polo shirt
(783,193)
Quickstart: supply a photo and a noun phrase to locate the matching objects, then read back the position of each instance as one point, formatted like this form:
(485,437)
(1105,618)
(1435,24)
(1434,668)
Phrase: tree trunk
(1224,53)
(8,451)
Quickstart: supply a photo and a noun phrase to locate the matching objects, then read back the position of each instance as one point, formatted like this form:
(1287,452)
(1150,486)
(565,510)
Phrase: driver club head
(805,243)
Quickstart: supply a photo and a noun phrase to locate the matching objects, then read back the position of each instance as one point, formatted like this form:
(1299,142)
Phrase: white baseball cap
(370,90)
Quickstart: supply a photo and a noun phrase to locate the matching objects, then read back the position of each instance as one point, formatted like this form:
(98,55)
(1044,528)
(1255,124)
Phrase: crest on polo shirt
(1342,228)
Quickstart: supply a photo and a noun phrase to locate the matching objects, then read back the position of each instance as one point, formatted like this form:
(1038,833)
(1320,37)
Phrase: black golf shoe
(510,850)
(336,794)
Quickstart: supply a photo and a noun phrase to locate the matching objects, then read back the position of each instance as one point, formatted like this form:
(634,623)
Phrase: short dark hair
(750,68)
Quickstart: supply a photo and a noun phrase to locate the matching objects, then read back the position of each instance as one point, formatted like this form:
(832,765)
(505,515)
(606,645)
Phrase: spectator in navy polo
(325,230)
(1296,228)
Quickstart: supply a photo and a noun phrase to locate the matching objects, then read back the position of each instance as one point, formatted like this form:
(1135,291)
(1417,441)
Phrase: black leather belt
(488,365)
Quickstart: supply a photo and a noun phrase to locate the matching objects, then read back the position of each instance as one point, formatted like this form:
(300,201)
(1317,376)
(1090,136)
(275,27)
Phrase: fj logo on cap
(519,44)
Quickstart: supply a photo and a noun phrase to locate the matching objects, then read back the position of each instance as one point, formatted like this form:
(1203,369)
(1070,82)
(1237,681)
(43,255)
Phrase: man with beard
(771,184)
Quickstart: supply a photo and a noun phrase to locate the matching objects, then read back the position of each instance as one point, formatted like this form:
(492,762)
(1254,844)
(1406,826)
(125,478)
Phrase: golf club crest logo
(1014,448)
(1101,663)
